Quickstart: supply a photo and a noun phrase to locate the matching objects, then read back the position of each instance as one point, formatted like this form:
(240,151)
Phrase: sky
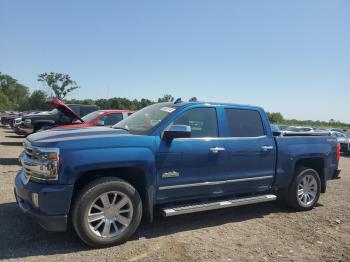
(291,56)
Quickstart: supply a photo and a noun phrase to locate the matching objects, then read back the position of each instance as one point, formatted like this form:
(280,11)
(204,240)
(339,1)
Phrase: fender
(77,163)
(290,153)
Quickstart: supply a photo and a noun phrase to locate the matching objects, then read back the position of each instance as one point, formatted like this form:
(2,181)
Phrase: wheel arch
(136,176)
(316,163)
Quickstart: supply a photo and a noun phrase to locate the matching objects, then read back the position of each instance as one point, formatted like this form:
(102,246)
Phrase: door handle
(216,149)
(266,148)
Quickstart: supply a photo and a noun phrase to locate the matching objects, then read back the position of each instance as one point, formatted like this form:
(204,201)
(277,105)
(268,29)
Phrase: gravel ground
(262,232)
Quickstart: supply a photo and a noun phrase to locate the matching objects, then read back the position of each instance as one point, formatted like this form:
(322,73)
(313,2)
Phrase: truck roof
(185,103)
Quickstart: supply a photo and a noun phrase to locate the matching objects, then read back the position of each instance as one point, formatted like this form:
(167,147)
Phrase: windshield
(89,117)
(144,120)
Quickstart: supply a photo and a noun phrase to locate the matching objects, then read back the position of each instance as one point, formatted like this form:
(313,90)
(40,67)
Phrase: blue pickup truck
(176,158)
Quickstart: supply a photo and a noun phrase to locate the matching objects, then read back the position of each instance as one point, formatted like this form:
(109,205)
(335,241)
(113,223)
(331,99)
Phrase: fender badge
(170,174)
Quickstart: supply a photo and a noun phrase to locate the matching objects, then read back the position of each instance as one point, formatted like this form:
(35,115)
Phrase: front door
(186,167)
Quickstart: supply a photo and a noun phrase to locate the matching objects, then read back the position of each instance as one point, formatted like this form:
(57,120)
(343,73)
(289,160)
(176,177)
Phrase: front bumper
(21,130)
(53,202)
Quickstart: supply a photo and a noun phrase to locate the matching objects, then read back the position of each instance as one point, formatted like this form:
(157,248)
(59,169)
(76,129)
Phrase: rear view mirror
(177,131)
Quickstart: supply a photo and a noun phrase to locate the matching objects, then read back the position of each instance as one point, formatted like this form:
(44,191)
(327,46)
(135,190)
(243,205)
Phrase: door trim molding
(215,182)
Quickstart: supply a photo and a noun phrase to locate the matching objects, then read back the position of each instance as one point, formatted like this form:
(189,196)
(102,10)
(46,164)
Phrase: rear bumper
(53,202)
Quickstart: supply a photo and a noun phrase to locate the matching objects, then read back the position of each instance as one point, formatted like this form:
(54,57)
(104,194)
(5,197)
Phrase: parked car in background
(299,129)
(100,118)
(275,129)
(178,158)
(337,130)
(282,127)
(7,119)
(62,115)
(343,140)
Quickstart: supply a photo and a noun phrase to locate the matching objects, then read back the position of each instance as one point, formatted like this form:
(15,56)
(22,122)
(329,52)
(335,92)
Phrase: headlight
(28,121)
(40,163)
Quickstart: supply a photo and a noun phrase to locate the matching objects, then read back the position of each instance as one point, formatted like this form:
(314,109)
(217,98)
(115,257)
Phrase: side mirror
(100,123)
(177,131)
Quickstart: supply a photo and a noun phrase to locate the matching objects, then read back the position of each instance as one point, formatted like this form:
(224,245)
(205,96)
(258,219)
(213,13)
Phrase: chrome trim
(215,182)
(216,149)
(179,210)
(37,167)
(222,138)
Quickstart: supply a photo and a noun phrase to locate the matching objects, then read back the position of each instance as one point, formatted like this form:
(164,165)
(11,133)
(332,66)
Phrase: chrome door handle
(216,149)
(266,148)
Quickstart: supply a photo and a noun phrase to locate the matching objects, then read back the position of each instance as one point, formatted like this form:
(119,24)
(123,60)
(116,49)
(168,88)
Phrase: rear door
(250,151)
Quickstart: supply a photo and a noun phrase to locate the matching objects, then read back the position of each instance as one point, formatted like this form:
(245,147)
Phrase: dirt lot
(264,232)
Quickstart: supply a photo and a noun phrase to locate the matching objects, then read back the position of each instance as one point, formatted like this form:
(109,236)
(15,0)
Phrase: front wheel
(107,212)
(305,190)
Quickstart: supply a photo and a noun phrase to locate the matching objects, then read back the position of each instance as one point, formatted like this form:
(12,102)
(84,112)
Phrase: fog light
(35,199)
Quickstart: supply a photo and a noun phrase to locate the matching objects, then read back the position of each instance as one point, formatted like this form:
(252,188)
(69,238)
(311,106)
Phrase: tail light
(337,152)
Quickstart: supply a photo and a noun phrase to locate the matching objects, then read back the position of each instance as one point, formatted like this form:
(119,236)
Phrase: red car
(101,118)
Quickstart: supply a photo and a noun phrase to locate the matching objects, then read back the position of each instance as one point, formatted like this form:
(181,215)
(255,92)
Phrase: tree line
(16,96)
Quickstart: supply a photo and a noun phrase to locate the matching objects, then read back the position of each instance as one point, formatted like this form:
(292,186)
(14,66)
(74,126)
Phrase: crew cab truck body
(180,157)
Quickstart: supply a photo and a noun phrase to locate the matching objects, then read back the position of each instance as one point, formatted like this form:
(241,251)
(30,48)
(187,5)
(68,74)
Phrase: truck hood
(58,135)
(65,109)
(60,106)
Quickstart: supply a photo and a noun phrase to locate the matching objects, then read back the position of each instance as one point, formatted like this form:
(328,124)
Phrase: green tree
(166,98)
(275,118)
(60,84)
(36,101)
(15,92)
(4,102)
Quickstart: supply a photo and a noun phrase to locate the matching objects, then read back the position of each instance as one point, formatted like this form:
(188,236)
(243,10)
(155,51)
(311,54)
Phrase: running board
(179,210)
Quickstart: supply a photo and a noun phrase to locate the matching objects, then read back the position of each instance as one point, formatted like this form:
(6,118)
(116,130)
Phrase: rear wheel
(107,212)
(305,190)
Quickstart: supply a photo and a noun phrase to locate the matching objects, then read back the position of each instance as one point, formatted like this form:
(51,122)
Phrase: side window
(244,123)
(112,119)
(203,122)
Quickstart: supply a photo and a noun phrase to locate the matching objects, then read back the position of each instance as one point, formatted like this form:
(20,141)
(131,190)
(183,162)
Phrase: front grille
(28,152)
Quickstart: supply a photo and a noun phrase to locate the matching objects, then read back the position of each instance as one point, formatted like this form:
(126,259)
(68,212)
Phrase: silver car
(343,140)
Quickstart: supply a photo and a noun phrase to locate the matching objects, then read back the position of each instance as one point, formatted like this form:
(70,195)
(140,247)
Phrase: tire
(312,189)
(99,193)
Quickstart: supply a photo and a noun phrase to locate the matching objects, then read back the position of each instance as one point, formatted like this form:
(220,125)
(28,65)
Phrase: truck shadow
(21,237)
(15,136)
(11,143)
(9,161)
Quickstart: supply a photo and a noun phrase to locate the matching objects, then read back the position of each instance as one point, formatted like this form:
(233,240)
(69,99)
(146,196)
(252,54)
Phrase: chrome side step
(179,210)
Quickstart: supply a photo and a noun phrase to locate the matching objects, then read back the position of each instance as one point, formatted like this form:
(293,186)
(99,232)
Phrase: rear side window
(244,123)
